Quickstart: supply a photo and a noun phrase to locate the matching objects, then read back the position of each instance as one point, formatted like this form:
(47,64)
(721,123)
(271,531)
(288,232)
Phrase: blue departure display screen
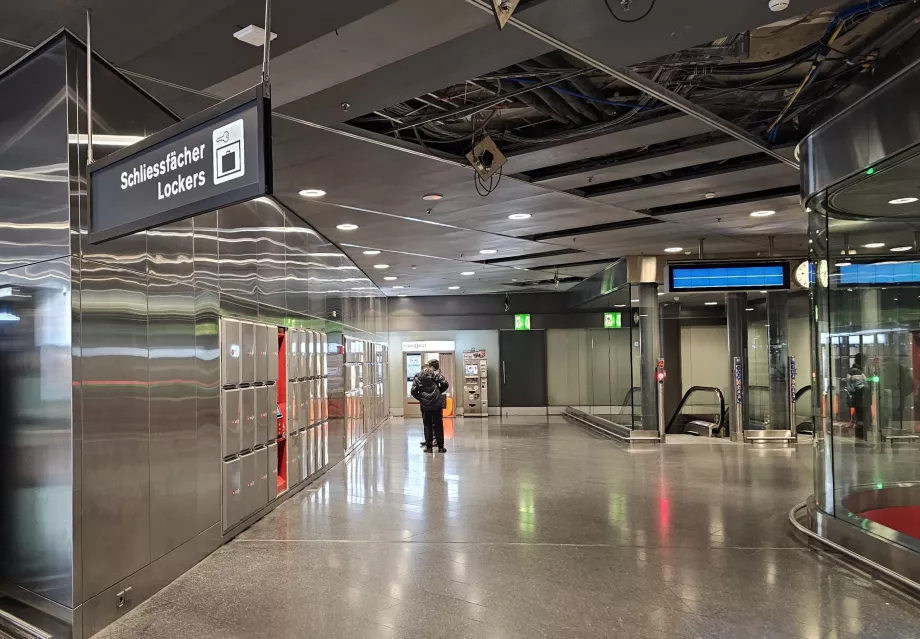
(887,273)
(729,277)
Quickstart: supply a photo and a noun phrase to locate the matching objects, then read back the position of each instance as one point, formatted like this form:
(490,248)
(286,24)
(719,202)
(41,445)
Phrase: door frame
(509,411)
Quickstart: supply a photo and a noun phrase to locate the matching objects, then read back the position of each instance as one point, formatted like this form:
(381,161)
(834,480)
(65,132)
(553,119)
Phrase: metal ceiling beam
(651,88)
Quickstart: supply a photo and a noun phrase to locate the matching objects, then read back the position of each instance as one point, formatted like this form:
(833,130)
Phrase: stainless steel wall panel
(206,251)
(238,253)
(248,482)
(272,361)
(116,455)
(261,374)
(294,475)
(37,521)
(231,415)
(263,407)
(248,357)
(266,224)
(230,351)
(173,415)
(272,487)
(232,493)
(170,251)
(208,441)
(248,418)
(260,495)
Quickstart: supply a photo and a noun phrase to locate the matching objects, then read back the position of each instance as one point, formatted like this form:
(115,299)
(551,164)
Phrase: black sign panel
(218,157)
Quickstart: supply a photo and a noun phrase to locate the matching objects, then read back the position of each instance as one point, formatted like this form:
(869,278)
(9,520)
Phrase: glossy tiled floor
(528,529)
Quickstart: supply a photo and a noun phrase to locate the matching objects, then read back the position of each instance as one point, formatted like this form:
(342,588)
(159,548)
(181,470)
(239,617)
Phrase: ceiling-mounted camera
(503,10)
(485,158)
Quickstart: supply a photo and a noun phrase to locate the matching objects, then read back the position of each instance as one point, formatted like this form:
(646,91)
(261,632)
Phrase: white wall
(587,367)
(704,356)
(465,340)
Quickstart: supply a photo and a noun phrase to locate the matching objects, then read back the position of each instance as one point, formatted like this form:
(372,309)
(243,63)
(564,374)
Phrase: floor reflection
(529,529)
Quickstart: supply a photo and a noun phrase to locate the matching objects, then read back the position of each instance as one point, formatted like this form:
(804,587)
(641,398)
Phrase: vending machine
(475,383)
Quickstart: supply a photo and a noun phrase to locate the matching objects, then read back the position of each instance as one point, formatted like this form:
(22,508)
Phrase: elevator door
(522,372)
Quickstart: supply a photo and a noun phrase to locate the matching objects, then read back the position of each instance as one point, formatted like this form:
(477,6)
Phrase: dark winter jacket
(427,388)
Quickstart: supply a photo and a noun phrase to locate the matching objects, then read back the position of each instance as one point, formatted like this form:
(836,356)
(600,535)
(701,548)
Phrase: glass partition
(866,336)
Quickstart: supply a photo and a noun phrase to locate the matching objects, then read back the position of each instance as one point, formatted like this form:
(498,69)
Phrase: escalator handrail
(694,389)
(802,391)
(627,401)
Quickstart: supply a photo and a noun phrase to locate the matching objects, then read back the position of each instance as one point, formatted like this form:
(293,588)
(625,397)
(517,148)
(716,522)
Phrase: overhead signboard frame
(216,158)
(696,276)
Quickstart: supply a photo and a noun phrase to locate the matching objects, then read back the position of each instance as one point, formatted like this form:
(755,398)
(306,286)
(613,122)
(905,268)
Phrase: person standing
(428,387)
(858,389)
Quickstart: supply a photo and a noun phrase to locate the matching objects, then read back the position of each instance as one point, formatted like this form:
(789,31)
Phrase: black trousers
(434,425)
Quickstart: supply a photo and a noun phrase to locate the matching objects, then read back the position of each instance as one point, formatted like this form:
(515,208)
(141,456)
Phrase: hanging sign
(522,322)
(216,158)
(613,320)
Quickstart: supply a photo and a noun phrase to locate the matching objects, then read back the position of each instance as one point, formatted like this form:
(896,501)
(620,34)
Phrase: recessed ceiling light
(709,195)
(381,266)
(749,309)
(903,200)
(453,288)
(634,301)
(253,35)
(372,252)
(844,263)
(874,245)
(468,273)
(390,278)
(312,193)
(488,252)
(519,216)
(674,249)
(347,227)
(432,197)
(400,296)
(712,303)
(762,292)
(620,305)
(901,249)
(398,288)
(763,213)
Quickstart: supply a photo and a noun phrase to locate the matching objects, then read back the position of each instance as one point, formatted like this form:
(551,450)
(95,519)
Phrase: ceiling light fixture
(381,266)
(709,195)
(312,193)
(763,213)
(519,216)
(903,200)
(712,303)
(749,309)
(347,227)
(620,305)
(432,197)
(901,249)
(674,249)
(400,296)
(398,288)
(372,252)
(634,301)
(390,278)
(873,245)
(839,264)
(251,34)
(468,273)
(488,252)
(453,288)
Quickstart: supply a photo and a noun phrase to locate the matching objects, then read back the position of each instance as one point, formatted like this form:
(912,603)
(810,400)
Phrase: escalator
(701,413)
(804,420)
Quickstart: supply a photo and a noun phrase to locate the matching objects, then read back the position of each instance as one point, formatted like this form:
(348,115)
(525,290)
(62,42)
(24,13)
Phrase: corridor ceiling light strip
(874,245)
(900,200)
(901,249)
(390,278)
(488,252)
(453,288)
(674,249)
(381,266)
(519,216)
(372,252)
(712,303)
(468,273)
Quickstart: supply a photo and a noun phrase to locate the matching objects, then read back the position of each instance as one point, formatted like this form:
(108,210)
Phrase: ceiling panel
(652,240)
(736,219)
(661,130)
(652,163)
(723,184)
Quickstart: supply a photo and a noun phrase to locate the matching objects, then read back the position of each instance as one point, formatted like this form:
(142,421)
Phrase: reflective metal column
(778,359)
(739,411)
(649,350)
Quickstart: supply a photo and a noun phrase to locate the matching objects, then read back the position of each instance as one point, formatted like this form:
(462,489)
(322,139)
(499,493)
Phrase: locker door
(230,352)
(232,493)
(248,481)
(230,417)
(248,357)
(260,498)
(272,352)
(263,406)
(248,416)
(261,374)
(272,487)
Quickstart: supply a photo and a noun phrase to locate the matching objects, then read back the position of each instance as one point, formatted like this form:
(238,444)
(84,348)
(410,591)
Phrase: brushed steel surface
(173,415)
(294,475)
(261,344)
(37,524)
(232,493)
(248,356)
(230,351)
(272,486)
(260,493)
(116,455)
(208,443)
(272,355)
(305,470)
(247,418)
(248,482)
(206,251)
(231,416)
(263,406)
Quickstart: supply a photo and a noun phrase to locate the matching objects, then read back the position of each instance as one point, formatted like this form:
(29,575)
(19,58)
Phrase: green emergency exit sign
(522,322)
(613,320)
